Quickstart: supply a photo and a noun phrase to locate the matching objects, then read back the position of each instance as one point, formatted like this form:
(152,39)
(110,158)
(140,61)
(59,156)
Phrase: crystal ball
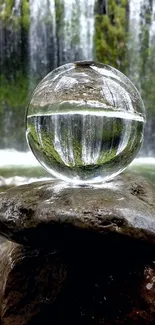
(85,122)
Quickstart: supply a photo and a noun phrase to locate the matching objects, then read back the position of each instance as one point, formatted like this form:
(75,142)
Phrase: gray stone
(29,280)
(45,213)
(98,266)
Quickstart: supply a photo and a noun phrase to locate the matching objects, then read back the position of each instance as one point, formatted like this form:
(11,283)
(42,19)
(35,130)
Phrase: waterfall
(42,37)
(138,21)
(141,61)
(134,19)
(152,26)
(61,31)
(10,38)
(66,52)
(149,148)
(17,7)
(86,8)
(36,36)
(135,7)
(76,40)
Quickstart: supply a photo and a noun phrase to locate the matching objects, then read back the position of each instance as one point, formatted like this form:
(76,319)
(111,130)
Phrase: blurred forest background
(36,36)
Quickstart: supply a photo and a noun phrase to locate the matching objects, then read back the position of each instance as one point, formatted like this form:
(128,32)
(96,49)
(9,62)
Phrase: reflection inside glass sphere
(85,122)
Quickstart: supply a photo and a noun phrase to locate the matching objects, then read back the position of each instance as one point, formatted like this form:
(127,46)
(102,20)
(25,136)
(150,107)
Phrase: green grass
(23,172)
(148,171)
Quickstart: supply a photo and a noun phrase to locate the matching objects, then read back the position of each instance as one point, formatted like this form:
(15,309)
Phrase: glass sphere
(85,122)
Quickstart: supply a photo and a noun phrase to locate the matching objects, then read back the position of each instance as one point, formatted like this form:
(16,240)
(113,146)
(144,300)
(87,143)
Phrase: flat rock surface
(48,212)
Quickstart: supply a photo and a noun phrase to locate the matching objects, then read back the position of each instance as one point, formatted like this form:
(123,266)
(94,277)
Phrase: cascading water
(134,19)
(66,52)
(10,54)
(86,20)
(141,49)
(42,37)
(135,7)
(73,42)
(152,26)
(61,31)
(78,31)
(12,43)
(48,38)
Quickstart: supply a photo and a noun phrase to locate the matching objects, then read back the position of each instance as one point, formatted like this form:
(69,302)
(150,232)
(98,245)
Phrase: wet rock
(109,281)
(46,213)
(106,280)
(89,257)
(29,279)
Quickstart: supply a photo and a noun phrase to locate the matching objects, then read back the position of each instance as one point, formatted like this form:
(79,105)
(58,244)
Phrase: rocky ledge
(43,213)
(78,255)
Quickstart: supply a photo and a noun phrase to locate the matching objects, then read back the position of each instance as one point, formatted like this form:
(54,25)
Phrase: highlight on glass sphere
(85,122)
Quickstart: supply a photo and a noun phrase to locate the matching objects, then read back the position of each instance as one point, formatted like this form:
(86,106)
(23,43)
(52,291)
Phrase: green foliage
(12,171)
(59,10)
(13,100)
(111,35)
(5,14)
(13,93)
(25,18)
(59,16)
(10,18)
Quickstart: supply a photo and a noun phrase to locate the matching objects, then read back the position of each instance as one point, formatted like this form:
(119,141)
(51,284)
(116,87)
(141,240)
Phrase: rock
(45,213)
(29,279)
(107,285)
(110,280)
(97,265)
(106,280)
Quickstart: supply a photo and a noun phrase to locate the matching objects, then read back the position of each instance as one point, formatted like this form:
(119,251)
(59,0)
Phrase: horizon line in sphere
(106,113)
